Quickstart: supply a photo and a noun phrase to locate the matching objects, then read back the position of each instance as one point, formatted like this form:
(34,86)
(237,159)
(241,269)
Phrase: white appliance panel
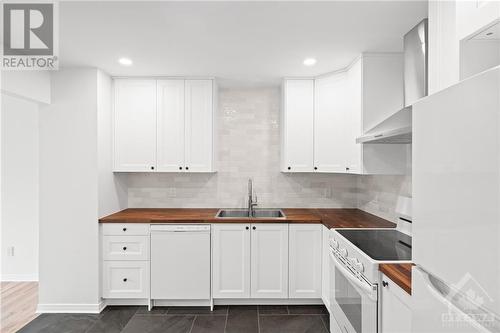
(456,185)
(180,263)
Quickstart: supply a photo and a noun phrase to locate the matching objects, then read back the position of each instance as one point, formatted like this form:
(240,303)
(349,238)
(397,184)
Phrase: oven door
(353,303)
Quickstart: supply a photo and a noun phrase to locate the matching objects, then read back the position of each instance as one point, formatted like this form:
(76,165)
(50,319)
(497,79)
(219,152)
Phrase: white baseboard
(69,308)
(19,278)
(194,302)
(268,301)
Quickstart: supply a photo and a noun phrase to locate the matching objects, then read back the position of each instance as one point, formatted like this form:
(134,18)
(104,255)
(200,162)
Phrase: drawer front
(125,247)
(125,279)
(125,229)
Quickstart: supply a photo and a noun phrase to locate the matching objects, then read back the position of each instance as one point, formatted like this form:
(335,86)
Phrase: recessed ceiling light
(309,61)
(125,61)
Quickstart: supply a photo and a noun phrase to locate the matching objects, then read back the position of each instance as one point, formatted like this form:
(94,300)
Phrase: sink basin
(243,213)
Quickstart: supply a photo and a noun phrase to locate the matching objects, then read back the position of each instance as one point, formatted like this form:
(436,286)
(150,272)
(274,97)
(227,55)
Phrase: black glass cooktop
(380,244)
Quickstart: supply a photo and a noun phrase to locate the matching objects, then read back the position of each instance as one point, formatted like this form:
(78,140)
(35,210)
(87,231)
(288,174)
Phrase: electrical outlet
(10,251)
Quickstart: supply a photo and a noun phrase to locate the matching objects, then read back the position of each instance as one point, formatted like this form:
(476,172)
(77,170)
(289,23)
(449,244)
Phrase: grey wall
(249,146)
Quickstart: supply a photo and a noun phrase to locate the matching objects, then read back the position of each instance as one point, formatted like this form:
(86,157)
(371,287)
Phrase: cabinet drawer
(125,247)
(131,229)
(125,279)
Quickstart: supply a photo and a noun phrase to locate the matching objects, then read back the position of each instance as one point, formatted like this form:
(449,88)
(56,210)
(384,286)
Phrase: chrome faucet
(251,201)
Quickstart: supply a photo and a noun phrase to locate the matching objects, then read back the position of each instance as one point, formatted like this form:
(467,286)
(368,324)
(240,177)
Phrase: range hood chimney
(397,128)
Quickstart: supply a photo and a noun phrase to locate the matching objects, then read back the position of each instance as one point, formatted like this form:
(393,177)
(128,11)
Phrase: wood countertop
(399,274)
(330,217)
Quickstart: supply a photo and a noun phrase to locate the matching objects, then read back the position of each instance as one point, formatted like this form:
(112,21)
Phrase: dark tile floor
(224,319)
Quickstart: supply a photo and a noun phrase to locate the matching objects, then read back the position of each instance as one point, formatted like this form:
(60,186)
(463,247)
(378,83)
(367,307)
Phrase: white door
(352,119)
(325,271)
(199,125)
(298,125)
(170,125)
(135,125)
(305,260)
(269,268)
(231,260)
(330,115)
(395,308)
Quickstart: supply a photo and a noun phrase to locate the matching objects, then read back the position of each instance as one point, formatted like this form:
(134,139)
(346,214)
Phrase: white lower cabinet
(250,260)
(325,269)
(125,279)
(231,260)
(305,246)
(269,261)
(395,308)
(125,265)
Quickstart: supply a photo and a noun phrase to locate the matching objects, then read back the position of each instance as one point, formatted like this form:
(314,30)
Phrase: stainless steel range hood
(397,128)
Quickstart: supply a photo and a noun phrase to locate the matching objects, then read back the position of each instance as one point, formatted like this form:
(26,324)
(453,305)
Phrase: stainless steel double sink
(257,213)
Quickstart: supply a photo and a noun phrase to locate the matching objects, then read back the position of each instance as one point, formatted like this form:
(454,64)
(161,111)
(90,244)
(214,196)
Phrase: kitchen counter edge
(330,217)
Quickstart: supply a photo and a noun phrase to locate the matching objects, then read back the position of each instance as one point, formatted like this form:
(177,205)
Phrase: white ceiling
(254,43)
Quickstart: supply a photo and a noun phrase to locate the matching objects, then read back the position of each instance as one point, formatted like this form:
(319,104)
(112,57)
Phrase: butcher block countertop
(399,274)
(330,217)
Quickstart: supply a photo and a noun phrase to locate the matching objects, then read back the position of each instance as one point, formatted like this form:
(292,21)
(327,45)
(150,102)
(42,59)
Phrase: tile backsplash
(248,145)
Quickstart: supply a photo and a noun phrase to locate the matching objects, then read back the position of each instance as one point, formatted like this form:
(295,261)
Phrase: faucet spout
(251,202)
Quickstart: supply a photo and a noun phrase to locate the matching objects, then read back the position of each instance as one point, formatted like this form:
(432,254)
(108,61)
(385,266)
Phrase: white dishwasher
(180,262)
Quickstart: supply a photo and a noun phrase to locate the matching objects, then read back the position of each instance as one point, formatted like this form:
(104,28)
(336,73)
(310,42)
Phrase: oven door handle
(370,290)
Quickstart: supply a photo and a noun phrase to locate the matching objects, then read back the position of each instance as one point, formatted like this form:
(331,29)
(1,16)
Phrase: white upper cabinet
(164,125)
(297,130)
(170,125)
(135,125)
(332,135)
(475,16)
(199,125)
(323,117)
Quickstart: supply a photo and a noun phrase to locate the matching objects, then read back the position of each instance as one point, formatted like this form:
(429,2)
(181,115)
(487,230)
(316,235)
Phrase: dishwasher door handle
(180,228)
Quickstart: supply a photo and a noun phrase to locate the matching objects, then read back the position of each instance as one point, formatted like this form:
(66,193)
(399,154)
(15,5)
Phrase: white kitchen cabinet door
(231,260)
(395,308)
(199,123)
(332,133)
(170,125)
(352,118)
(269,263)
(297,120)
(325,263)
(135,125)
(305,246)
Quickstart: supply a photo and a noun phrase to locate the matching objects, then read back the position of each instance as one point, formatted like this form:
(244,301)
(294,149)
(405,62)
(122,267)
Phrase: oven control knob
(359,267)
(334,244)
(343,252)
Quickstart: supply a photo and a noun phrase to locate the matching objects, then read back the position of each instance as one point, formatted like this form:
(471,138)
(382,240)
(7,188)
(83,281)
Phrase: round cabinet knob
(289,168)
(187,168)
(315,168)
(385,284)
(124,229)
(247,228)
(346,169)
(254,228)
(343,252)
(125,280)
(152,168)
(180,168)
(124,248)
